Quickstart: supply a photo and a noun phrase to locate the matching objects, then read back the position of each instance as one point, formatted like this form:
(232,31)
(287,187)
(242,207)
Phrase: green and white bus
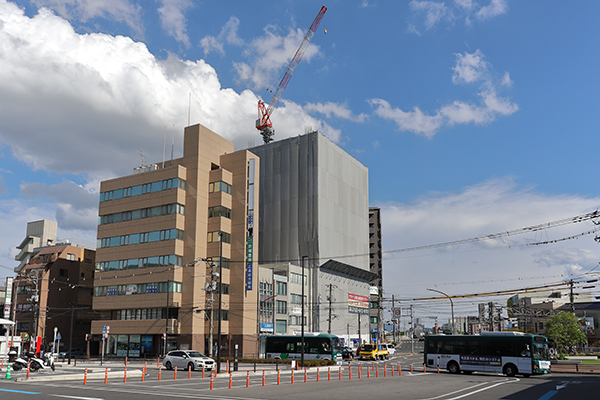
(508,353)
(317,346)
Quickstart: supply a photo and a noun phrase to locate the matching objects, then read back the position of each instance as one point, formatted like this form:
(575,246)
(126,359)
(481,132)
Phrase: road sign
(397,312)
(103,328)
(58,337)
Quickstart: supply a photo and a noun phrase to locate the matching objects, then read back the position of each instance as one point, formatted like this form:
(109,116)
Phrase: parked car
(184,359)
(76,351)
(347,353)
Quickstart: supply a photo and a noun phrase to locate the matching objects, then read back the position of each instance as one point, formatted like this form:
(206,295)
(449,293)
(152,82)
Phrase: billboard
(358,304)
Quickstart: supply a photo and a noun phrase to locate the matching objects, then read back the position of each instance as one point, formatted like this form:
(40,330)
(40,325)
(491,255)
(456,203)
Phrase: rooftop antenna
(172,144)
(143,156)
(164,145)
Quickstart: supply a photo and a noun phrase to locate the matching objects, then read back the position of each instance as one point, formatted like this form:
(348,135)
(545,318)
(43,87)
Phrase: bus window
(524,350)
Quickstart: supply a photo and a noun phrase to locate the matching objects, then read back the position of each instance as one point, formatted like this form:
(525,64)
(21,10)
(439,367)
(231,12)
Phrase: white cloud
(228,35)
(172,19)
(106,98)
(470,68)
(84,10)
(414,121)
(491,207)
(495,8)
(336,110)
(271,55)
(436,12)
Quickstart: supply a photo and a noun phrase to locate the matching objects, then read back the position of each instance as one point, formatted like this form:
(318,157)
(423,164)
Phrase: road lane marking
(76,397)
(548,395)
(476,391)
(457,391)
(17,391)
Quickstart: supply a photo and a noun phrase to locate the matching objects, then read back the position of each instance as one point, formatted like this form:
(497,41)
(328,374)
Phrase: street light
(451,305)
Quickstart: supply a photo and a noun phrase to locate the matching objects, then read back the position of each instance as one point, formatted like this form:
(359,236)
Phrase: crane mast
(263,123)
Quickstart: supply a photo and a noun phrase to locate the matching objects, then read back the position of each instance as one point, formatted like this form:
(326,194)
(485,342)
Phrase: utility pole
(393,321)
(167,319)
(302,319)
(571,296)
(329,318)
(220,303)
(359,337)
(491,315)
(412,330)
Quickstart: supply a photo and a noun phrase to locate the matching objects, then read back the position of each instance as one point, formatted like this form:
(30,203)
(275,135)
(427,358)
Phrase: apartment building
(174,238)
(53,291)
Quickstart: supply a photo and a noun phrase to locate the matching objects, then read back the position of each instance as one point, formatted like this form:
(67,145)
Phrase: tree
(565,331)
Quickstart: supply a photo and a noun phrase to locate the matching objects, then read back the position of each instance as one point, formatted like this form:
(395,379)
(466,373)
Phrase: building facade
(174,238)
(39,234)
(314,206)
(53,295)
(376,267)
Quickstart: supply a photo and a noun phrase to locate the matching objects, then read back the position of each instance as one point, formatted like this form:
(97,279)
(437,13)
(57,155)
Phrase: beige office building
(163,233)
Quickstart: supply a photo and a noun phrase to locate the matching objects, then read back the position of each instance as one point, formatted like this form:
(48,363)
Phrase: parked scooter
(49,360)
(19,363)
(34,362)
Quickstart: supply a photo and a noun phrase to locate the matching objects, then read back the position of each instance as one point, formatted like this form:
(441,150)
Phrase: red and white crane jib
(263,123)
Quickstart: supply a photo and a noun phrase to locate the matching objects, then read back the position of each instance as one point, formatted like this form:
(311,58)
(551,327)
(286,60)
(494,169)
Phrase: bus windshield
(540,351)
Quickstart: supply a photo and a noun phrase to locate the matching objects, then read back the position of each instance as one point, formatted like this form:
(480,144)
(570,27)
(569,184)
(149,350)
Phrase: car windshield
(195,354)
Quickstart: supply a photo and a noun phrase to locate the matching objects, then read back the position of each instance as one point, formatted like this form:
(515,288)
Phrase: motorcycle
(34,363)
(19,363)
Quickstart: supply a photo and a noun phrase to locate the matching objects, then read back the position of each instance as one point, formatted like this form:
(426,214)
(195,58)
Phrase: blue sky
(473,117)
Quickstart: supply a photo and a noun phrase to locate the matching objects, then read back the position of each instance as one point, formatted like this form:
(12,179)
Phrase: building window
(281,307)
(219,187)
(217,263)
(297,278)
(281,288)
(296,298)
(142,189)
(219,211)
(214,237)
(63,272)
(374,304)
(70,257)
(373,320)
(296,319)
(281,326)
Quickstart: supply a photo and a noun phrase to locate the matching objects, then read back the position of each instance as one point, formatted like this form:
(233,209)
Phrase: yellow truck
(372,352)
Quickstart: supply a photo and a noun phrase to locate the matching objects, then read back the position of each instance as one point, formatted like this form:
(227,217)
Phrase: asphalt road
(410,385)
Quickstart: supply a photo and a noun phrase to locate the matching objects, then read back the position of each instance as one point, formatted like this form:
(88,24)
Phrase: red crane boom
(263,123)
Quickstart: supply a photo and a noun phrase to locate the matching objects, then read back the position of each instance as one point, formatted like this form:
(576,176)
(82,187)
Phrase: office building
(171,235)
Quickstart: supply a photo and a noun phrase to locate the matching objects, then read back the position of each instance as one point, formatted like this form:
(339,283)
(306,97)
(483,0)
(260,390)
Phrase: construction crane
(263,123)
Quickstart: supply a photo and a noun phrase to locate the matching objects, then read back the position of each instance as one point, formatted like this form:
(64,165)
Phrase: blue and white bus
(508,353)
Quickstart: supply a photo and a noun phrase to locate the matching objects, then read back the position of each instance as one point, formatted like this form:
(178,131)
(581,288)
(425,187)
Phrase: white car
(389,347)
(188,359)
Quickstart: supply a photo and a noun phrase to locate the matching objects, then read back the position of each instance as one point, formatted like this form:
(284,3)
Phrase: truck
(372,352)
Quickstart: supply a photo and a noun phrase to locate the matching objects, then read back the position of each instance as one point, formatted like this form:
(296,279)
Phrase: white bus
(508,353)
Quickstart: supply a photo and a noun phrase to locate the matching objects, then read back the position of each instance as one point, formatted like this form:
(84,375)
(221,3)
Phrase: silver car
(184,359)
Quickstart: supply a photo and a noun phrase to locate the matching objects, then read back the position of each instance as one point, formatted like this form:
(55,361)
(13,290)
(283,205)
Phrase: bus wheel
(510,370)
(526,375)
(453,367)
